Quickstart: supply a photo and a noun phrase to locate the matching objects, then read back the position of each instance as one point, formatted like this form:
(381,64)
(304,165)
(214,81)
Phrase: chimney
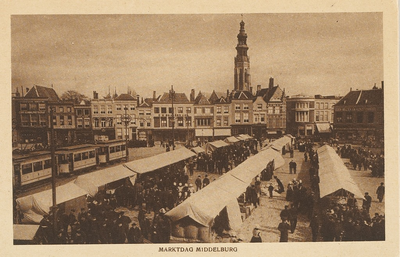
(154,95)
(142,100)
(271,82)
(22,91)
(382,84)
(137,100)
(258,88)
(351,89)
(17,93)
(192,95)
(251,90)
(95,95)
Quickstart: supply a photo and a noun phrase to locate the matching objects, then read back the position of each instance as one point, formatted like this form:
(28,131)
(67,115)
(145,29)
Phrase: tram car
(75,158)
(31,167)
(111,150)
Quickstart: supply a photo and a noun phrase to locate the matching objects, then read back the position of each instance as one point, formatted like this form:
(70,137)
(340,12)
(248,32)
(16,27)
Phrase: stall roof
(205,205)
(198,149)
(218,143)
(231,139)
(279,143)
(42,201)
(244,137)
(91,181)
(159,161)
(334,175)
(25,232)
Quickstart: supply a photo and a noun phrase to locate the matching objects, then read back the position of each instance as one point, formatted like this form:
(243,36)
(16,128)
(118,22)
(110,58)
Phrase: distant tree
(72,95)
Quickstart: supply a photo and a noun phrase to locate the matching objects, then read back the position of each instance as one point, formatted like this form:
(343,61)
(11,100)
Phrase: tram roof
(76,147)
(110,141)
(31,155)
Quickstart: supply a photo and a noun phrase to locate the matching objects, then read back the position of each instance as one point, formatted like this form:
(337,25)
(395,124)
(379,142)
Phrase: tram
(75,158)
(111,150)
(31,167)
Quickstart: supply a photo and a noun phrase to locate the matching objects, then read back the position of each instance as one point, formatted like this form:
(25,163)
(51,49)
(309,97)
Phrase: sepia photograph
(201,132)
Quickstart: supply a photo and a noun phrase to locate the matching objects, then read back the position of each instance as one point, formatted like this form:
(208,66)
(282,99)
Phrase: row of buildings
(260,112)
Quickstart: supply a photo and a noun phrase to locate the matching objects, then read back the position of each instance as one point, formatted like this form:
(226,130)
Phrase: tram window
(37,166)
(62,159)
(103,150)
(92,154)
(122,147)
(118,148)
(112,149)
(47,164)
(26,168)
(85,156)
(77,157)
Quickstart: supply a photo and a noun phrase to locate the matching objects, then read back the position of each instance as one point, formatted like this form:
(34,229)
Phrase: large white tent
(334,175)
(203,206)
(36,205)
(279,144)
(211,146)
(159,161)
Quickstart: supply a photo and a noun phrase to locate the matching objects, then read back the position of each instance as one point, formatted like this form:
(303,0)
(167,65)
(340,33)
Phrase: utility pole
(172,96)
(53,169)
(126,119)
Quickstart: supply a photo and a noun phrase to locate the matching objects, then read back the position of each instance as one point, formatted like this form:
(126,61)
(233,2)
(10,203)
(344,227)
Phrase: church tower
(242,62)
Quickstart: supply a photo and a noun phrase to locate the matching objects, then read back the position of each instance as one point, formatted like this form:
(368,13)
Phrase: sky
(326,53)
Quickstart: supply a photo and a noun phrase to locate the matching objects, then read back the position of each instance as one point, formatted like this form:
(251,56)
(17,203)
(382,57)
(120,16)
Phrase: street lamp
(126,118)
(53,169)
(172,97)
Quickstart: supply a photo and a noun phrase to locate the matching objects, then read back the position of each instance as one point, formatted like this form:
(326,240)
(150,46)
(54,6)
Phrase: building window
(163,109)
(262,118)
(163,122)
(42,107)
(276,110)
(188,110)
(371,117)
(61,109)
(237,106)
(110,122)
(119,119)
(259,107)
(219,109)
(207,110)
(79,123)
(198,110)
(270,110)
(226,121)
(170,110)
(317,116)
(132,107)
(33,107)
(133,119)
(226,109)
(237,117)
(245,106)
(87,123)
(69,120)
(96,123)
(218,122)
(102,109)
(148,112)
(180,121)
(109,109)
(156,109)
(326,105)
(141,124)
(180,109)
(68,109)
(349,117)
(23,107)
(34,120)
(141,112)
(256,118)
(118,107)
(103,123)
(246,117)
(42,120)
(61,120)
(339,117)
(326,116)
(148,124)
(95,109)
(119,133)
(79,112)
(157,122)
(317,105)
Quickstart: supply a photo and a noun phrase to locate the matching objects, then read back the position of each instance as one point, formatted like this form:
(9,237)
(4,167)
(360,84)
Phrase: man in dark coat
(206,181)
(293,218)
(380,192)
(198,183)
(367,202)
(284,227)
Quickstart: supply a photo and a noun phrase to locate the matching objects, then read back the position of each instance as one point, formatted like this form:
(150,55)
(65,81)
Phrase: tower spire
(242,61)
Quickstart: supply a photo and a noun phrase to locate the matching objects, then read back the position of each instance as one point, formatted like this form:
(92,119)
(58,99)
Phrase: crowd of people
(364,158)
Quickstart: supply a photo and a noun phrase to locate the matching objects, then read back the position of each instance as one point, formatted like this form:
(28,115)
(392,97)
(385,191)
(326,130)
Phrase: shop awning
(159,161)
(231,140)
(334,175)
(198,150)
(25,232)
(203,132)
(222,132)
(323,127)
(92,181)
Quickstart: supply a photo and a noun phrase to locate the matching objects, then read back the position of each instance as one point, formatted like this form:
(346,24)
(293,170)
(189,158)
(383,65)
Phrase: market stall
(212,146)
(25,234)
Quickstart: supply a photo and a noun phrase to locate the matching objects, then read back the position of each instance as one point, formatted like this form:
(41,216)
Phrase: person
(206,181)
(270,190)
(380,191)
(367,202)
(289,192)
(280,185)
(284,227)
(305,156)
(294,167)
(285,214)
(291,166)
(293,218)
(198,183)
(135,234)
(256,238)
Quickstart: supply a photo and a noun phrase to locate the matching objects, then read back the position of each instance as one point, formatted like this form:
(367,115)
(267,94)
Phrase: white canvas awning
(334,175)
(36,205)
(206,204)
(211,146)
(198,150)
(159,161)
(323,127)
(25,232)
(231,139)
(280,143)
(222,132)
(92,181)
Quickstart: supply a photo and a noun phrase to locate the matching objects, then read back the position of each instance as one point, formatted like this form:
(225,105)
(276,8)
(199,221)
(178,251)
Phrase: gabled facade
(126,113)
(83,115)
(242,112)
(145,119)
(103,118)
(222,117)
